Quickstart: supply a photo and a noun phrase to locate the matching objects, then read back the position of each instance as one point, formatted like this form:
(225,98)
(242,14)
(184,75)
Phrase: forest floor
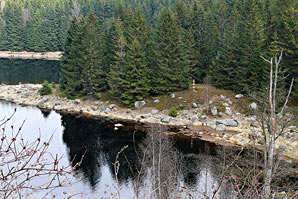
(31,55)
(233,123)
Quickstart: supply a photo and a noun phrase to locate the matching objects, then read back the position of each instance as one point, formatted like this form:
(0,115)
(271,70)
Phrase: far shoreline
(55,56)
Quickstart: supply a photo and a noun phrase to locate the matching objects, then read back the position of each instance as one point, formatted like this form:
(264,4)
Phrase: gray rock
(210,123)
(252,118)
(228,111)
(156,101)
(133,116)
(213,110)
(221,127)
(152,121)
(193,118)
(88,109)
(282,148)
(140,104)
(203,117)
(180,98)
(42,101)
(108,110)
(58,103)
(194,105)
(222,97)
(238,96)
(112,106)
(237,114)
(188,123)
(253,106)
(98,103)
(227,122)
(145,116)
(2,97)
(154,112)
(172,96)
(225,104)
(94,108)
(185,113)
(81,111)
(77,101)
(102,108)
(166,120)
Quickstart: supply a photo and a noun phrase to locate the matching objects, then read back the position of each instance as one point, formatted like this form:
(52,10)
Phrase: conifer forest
(139,48)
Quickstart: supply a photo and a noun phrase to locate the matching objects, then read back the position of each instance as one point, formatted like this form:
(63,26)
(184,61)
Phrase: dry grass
(199,97)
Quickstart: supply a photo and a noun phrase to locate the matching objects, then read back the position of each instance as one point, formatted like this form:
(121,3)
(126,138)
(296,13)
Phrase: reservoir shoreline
(31,55)
(27,95)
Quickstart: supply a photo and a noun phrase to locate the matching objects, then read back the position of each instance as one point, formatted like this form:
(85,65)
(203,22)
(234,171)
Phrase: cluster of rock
(226,121)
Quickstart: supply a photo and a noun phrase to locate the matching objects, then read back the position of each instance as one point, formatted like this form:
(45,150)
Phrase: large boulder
(154,112)
(140,104)
(221,127)
(213,110)
(228,122)
(145,116)
(253,106)
(166,120)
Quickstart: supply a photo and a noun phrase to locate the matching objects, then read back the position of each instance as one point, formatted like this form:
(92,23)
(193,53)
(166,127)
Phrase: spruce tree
(93,75)
(133,82)
(71,60)
(118,52)
(171,72)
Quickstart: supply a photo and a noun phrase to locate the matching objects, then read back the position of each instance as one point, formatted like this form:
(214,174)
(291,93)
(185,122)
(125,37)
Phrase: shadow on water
(101,145)
(13,71)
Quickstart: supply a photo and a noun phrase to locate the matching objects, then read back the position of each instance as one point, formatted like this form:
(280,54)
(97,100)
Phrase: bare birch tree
(272,120)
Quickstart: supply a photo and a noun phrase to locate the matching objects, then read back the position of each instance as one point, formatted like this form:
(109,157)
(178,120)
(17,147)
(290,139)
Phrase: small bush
(173,112)
(181,106)
(46,89)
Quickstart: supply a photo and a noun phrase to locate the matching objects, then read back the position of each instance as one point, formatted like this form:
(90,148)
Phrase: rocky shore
(224,128)
(31,55)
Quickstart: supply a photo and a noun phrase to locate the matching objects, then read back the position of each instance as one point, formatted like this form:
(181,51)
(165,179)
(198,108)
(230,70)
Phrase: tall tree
(93,74)
(171,72)
(118,51)
(71,61)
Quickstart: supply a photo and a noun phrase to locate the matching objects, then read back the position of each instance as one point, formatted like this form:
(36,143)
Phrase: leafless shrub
(160,163)
(22,162)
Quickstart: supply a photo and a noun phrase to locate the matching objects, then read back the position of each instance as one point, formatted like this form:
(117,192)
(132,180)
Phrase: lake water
(13,71)
(73,136)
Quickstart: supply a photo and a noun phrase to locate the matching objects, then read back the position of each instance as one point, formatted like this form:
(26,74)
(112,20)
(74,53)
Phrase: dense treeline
(139,48)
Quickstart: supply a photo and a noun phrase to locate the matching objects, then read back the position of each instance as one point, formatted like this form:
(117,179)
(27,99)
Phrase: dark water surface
(13,71)
(73,136)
